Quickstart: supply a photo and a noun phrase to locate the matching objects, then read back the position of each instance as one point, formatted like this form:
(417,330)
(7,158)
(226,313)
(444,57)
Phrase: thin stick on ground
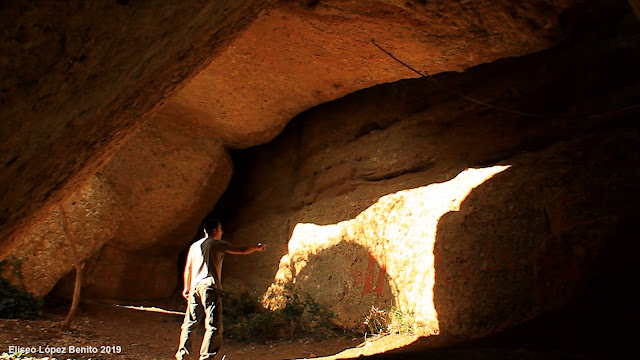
(76,260)
(151,309)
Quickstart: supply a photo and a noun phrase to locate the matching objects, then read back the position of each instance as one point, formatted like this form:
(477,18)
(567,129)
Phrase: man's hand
(244,250)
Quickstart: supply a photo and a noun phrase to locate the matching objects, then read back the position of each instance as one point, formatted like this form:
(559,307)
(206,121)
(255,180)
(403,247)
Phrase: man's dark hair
(211,225)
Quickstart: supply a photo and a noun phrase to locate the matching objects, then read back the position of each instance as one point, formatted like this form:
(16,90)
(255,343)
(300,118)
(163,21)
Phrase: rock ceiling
(76,89)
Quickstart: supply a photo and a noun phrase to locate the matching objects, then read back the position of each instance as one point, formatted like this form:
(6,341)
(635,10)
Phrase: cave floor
(144,335)
(147,335)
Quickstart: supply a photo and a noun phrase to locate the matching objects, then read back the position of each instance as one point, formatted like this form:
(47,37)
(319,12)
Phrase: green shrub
(15,303)
(246,320)
(401,322)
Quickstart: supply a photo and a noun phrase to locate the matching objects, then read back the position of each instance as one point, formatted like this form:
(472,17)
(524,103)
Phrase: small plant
(19,355)
(377,321)
(401,322)
(16,303)
(12,356)
(246,320)
(384,322)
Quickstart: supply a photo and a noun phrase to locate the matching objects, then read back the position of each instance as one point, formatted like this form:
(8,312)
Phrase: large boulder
(540,235)
(156,189)
(46,254)
(78,79)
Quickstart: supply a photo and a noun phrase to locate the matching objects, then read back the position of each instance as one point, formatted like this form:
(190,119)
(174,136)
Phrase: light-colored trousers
(203,301)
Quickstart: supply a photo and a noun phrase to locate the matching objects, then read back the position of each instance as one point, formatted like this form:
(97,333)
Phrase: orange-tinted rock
(367,174)
(126,275)
(77,79)
(168,176)
(396,236)
(160,186)
(538,236)
(292,57)
(46,255)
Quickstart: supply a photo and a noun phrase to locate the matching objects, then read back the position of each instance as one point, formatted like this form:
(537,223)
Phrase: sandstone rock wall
(364,176)
(168,178)
(293,56)
(396,235)
(540,235)
(296,56)
(46,255)
(160,184)
(78,78)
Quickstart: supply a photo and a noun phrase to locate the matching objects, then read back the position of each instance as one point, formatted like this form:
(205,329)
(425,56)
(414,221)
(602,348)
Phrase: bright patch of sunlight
(398,231)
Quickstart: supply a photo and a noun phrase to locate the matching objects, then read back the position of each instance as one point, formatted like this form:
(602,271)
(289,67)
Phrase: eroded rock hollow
(472,218)
(496,189)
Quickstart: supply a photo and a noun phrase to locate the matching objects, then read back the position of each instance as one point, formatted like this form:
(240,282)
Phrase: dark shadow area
(539,263)
(553,239)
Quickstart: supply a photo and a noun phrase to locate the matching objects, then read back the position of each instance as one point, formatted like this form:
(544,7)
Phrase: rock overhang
(293,57)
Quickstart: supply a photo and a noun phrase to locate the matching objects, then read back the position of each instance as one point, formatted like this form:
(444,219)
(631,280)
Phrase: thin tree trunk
(76,260)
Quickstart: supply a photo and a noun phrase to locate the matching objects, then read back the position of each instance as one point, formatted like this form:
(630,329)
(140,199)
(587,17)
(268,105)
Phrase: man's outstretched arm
(245,250)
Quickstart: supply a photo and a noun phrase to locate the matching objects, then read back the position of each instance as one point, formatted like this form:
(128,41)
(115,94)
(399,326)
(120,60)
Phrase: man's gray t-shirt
(205,257)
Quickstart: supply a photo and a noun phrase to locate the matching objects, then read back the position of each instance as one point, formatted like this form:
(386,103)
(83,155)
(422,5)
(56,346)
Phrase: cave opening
(531,260)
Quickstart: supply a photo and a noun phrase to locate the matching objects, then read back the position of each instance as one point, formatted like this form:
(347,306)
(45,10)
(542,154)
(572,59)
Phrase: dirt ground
(105,331)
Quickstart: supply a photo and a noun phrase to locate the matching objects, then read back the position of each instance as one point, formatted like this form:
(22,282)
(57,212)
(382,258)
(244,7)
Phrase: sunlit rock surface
(398,232)
(353,198)
(540,235)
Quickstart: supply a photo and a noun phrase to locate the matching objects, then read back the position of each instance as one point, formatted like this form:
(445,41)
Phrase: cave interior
(482,180)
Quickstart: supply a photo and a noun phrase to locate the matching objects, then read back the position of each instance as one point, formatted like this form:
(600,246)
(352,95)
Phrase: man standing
(202,289)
